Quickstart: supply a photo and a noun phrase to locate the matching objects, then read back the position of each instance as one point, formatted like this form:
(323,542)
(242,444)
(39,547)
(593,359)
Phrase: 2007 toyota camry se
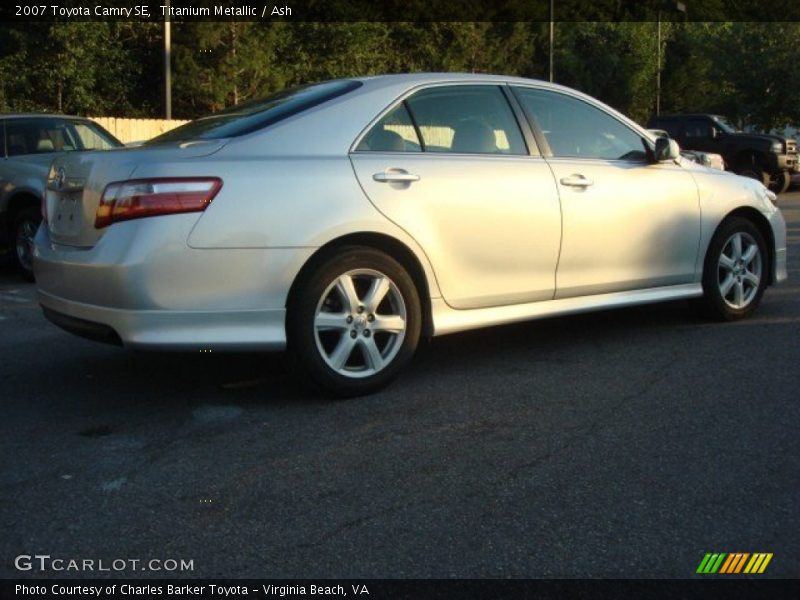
(344,220)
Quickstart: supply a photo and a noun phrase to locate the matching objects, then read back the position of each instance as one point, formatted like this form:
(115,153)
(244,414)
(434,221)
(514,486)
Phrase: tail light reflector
(138,198)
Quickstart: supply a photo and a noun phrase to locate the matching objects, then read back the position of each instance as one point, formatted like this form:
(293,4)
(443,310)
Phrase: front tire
(354,322)
(26,222)
(735,272)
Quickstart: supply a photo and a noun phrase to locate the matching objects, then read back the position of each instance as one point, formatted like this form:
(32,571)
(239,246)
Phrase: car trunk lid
(76,182)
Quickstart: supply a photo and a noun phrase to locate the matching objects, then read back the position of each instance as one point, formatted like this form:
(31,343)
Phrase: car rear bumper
(169,329)
(142,286)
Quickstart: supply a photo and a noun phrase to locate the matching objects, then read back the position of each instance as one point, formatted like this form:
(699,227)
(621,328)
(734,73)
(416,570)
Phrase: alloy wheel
(360,323)
(26,231)
(739,270)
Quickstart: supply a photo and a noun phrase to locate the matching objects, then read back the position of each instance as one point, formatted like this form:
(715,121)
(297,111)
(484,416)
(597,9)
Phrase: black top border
(563,11)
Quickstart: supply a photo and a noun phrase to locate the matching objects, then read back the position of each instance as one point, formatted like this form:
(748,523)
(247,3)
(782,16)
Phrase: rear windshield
(257,114)
(726,125)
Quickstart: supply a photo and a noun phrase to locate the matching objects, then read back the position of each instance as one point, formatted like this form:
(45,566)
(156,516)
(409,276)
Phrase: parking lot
(618,444)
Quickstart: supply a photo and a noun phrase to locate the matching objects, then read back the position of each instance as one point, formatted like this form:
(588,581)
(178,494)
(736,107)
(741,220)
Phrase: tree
(219,64)
(615,62)
(82,68)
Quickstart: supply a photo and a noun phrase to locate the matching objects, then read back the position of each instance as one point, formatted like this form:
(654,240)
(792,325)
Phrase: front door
(629,224)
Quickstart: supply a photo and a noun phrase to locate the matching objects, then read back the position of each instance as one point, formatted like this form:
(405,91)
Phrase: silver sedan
(346,219)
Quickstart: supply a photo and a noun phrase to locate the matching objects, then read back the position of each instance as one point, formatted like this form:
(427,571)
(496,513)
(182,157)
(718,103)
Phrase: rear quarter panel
(282,202)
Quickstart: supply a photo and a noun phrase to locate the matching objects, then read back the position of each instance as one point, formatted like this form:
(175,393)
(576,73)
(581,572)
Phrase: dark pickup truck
(772,159)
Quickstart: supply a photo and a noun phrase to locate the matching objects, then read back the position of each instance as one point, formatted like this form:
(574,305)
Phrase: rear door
(449,164)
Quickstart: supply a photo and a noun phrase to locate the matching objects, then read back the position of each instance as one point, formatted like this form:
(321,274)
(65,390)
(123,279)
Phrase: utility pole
(658,68)
(672,6)
(167,65)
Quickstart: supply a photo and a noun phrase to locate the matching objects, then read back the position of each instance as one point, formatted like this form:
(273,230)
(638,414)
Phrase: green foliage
(81,68)
(615,62)
(746,71)
(221,64)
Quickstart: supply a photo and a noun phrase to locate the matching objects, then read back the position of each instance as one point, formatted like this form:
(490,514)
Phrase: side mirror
(666,149)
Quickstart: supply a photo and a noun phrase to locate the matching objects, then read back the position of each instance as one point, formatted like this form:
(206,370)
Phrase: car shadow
(138,380)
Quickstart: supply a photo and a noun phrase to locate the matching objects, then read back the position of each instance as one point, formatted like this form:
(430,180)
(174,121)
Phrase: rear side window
(91,137)
(40,136)
(393,133)
(466,119)
(254,115)
(698,129)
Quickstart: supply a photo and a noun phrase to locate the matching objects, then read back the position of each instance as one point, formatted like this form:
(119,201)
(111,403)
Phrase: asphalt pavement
(626,443)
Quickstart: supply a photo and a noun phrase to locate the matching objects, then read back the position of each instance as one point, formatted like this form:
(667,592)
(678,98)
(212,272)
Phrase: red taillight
(137,198)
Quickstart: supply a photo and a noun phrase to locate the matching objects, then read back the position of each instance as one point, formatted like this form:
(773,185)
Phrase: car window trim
(533,123)
(417,131)
(408,93)
(546,146)
(522,122)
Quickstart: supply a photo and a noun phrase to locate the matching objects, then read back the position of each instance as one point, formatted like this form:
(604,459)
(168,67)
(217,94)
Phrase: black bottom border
(416,589)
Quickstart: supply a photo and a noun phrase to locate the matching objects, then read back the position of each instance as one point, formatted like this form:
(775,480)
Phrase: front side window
(576,129)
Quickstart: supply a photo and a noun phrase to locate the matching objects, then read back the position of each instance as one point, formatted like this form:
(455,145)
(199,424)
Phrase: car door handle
(395,176)
(577,181)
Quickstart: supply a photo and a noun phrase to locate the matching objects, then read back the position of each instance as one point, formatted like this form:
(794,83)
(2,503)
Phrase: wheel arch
(384,243)
(764,228)
(19,200)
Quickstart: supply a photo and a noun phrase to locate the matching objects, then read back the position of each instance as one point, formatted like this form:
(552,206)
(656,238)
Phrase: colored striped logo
(735,562)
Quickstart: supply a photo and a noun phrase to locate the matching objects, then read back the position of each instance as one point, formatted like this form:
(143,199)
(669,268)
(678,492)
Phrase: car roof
(346,117)
(40,115)
(685,115)
(412,79)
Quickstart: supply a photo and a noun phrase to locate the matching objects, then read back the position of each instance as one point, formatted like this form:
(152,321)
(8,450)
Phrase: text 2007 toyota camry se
(345,219)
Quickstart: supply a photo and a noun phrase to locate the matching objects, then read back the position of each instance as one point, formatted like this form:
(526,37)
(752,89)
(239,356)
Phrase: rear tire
(354,322)
(26,222)
(735,271)
(754,171)
(780,182)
